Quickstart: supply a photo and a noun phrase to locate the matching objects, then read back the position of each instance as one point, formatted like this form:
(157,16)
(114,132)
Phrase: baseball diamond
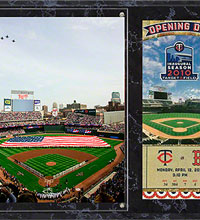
(62,163)
(173,125)
(51,161)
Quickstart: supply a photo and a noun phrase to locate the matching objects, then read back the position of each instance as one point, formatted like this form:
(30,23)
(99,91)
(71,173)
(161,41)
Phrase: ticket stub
(171,110)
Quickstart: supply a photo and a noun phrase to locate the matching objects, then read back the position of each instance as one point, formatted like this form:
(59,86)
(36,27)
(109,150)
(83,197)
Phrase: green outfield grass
(31,181)
(147,119)
(62,163)
(179,123)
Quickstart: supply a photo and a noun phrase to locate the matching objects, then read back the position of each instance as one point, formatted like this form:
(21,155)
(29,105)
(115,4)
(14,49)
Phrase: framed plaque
(100,109)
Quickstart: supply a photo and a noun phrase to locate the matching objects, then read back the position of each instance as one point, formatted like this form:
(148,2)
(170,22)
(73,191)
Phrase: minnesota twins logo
(179,63)
(179,46)
(167,156)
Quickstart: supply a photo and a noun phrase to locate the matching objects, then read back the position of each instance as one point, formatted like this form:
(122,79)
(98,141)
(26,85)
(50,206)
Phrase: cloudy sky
(63,59)
(154,65)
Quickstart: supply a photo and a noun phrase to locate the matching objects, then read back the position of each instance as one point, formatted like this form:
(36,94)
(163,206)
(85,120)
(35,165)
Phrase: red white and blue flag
(55,141)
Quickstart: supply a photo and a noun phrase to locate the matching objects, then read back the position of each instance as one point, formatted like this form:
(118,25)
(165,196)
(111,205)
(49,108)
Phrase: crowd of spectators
(122,147)
(116,127)
(113,190)
(13,191)
(13,131)
(109,192)
(19,116)
(24,123)
(78,118)
(14,119)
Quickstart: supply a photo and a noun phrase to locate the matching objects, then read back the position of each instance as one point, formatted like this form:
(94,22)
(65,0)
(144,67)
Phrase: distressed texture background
(135,11)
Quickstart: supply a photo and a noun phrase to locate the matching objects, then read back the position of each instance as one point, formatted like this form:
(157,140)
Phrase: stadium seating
(197,140)
(151,141)
(75,120)
(113,187)
(187,141)
(170,141)
(78,118)
(116,127)
(19,116)
(15,131)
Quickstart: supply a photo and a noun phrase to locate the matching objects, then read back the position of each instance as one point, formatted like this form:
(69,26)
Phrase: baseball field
(50,161)
(173,125)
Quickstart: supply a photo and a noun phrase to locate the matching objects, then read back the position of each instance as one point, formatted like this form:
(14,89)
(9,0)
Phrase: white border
(126,112)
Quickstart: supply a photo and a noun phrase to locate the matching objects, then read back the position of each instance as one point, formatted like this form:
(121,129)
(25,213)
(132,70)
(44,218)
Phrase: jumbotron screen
(160,95)
(22,105)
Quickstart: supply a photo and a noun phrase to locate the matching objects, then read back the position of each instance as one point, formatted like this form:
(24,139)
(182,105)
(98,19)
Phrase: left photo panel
(62,110)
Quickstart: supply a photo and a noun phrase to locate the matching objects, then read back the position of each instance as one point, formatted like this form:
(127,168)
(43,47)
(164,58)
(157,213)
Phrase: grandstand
(15,124)
(192,105)
(31,120)
(48,158)
(162,103)
(150,105)
(19,116)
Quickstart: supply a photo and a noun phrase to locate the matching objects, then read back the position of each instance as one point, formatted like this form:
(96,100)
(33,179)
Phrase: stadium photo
(170,108)
(165,122)
(62,118)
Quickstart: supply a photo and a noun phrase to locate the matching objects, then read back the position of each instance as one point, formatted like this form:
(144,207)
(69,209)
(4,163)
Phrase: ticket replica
(171,109)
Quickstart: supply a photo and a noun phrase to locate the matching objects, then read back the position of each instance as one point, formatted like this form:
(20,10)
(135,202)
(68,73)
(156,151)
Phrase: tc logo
(165,154)
(179,46)
(7,102)
(196,157)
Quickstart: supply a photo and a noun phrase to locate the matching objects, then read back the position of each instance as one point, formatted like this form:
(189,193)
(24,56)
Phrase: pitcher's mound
(51,163)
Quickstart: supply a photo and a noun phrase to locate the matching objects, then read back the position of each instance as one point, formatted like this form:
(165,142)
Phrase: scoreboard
(22,105)
(160,95)
(86,111)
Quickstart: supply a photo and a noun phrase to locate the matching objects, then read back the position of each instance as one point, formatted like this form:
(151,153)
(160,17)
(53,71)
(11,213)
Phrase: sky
(154,65)
(63,59)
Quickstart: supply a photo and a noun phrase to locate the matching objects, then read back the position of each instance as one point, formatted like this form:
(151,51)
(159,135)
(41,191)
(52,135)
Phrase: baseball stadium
(167,122)
(76,158)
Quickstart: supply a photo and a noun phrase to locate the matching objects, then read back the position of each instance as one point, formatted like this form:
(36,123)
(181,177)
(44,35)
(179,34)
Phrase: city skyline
(65,104)
(59,104)
(63,59)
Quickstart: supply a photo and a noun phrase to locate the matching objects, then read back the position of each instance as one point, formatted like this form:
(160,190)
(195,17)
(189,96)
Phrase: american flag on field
(58,141)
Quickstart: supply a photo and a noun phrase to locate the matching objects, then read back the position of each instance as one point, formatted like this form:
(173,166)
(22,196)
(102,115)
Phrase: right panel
(171,110)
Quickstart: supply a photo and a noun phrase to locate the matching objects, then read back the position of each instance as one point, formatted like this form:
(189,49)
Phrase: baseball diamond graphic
(37,167)
(173,125)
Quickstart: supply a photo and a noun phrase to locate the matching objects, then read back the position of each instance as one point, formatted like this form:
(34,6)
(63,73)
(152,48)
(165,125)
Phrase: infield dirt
(164,135)
(76,155)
